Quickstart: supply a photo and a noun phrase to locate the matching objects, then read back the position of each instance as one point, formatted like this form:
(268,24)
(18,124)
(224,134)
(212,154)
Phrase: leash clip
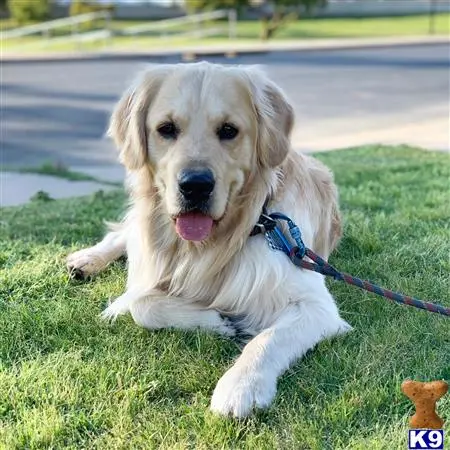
(266,223)
(300,249)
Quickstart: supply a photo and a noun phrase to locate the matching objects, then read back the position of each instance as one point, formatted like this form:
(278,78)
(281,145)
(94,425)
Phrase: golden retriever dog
(205,146)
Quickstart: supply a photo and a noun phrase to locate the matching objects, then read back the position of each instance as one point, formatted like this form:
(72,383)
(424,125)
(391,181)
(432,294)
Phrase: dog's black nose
(196,185)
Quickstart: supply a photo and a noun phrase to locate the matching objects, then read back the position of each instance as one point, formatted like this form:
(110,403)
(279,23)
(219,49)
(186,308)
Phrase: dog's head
(203,131)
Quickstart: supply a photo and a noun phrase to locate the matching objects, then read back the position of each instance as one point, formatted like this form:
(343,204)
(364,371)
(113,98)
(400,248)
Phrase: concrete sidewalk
(19,188)
(229,48)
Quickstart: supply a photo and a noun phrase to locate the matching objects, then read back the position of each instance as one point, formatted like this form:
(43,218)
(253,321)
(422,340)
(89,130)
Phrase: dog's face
(202,133)
(203,130)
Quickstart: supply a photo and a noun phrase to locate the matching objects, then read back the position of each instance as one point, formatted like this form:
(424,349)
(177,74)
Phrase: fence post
(431,17)
(46,34)
(198,24)
(108,28)
(232,19)
(76,32)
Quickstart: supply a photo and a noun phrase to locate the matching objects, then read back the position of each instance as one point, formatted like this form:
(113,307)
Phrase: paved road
(57,111)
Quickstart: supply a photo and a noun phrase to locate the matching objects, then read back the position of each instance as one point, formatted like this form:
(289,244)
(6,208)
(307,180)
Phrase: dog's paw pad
(76,273)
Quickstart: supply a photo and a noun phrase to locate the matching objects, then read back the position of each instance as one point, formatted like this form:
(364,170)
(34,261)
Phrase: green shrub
(29,10)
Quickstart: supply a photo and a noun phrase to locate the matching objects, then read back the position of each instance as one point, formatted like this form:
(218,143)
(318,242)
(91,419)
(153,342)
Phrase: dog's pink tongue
(194,226)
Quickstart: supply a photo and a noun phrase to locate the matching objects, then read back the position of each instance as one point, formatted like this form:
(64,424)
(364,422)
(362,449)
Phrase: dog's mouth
(194,225)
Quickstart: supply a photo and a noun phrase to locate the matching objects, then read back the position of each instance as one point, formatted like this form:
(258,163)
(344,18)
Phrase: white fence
(164,28)
(197,20)
(78,39)
(45,27)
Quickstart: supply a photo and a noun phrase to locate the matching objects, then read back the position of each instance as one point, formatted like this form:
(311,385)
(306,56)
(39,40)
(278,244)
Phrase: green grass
(67,380)
(249,31)
(346,28)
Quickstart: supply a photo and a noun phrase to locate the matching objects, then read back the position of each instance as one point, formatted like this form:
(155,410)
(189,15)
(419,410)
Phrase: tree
(29,10)
(276,13)
(201,5)
(284,11)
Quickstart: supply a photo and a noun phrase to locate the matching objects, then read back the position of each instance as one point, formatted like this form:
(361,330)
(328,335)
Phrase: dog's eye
(227,132)
(168,130)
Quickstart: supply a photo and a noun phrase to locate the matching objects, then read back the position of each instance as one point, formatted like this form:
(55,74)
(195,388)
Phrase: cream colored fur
(182,284)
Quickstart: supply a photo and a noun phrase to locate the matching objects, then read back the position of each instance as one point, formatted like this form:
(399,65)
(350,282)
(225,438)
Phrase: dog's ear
(128,121)
(275,118)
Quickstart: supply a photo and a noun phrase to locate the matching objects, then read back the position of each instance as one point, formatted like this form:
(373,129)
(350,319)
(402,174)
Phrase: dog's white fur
(183,284)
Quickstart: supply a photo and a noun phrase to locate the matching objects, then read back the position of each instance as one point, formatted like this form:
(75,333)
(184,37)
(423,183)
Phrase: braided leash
(267,224)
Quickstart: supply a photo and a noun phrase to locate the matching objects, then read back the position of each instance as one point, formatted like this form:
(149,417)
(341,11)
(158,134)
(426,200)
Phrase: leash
(268,225)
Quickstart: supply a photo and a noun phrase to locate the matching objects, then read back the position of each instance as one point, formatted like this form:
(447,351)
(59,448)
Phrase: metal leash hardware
(278,241)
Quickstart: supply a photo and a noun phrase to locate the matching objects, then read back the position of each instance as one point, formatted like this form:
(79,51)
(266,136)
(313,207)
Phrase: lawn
(68,380)
(249,31)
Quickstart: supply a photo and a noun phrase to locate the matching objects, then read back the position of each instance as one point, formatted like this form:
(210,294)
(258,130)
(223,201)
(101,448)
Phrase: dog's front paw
(84,263)
(241,389)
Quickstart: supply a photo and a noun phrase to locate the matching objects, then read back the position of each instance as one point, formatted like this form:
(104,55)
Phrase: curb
(191,52)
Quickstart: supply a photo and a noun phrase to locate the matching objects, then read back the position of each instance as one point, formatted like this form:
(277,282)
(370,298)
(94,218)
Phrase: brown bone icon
(424,396)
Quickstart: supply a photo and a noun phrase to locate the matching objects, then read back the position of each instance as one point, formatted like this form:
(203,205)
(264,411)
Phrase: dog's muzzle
(196,187)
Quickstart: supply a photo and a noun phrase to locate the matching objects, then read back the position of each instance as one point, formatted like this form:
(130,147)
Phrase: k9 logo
(426,439)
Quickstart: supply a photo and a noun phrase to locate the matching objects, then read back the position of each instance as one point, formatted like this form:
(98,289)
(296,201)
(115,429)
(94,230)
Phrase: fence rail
(197,21)
(162,25)
(44,27)
(100,35)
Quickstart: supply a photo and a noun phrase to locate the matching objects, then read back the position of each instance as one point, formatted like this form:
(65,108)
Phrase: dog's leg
(178,313)
(92,260)
(154,311)
(251,381)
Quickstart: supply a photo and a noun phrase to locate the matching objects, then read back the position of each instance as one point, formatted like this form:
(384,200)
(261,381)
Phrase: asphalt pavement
(57,111)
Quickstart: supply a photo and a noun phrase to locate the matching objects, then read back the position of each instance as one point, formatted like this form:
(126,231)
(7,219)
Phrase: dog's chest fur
(255,280)
(238,274)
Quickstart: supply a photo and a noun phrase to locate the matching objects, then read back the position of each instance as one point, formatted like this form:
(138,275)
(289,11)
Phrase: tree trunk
(270,25)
